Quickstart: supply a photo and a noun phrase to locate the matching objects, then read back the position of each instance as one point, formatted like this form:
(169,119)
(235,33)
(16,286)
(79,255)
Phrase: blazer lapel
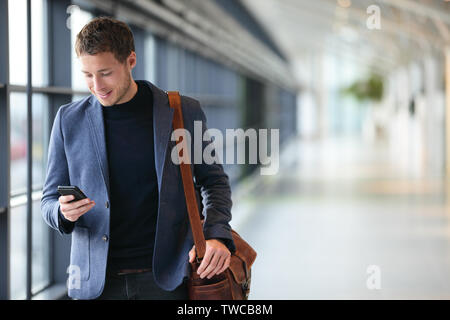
(97,134)
(162,127)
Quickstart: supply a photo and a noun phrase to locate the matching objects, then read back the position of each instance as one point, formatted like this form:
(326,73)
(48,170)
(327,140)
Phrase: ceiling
(408,29)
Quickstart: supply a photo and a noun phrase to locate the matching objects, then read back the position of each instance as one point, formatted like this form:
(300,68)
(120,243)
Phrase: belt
(131,271)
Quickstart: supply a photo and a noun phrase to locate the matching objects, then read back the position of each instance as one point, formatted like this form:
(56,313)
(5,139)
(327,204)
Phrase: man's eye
(106,74)
(88,75)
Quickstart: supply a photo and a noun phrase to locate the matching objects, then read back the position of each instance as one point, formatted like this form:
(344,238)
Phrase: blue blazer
(77,156)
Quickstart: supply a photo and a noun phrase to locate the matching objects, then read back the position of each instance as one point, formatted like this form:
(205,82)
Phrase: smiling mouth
(103,96)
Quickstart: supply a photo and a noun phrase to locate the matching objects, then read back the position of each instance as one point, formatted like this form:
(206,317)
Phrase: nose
(98,84)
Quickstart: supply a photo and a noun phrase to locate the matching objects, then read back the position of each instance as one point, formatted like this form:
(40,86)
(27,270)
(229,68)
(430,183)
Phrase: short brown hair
(105,34)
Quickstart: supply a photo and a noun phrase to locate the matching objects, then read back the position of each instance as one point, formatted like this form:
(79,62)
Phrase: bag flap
(243,250)
(237,269)
(242,259)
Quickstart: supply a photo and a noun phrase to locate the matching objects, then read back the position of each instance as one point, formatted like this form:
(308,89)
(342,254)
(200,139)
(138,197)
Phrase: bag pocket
(79,252)
(216,291)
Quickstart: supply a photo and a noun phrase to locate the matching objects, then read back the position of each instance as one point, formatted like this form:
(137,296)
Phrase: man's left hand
(216,260)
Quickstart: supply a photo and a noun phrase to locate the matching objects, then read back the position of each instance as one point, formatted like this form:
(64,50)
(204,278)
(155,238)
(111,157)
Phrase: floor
(344,219)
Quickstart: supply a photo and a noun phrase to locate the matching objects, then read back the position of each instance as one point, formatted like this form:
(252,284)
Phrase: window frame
(58,92)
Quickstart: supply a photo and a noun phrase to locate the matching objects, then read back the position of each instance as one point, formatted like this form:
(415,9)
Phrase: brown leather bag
(233,283)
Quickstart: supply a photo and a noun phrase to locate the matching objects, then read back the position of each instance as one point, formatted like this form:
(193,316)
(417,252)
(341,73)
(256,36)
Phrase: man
(131,237)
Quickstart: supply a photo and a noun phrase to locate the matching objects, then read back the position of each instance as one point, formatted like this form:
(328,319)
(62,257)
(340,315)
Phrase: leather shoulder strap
(188,182)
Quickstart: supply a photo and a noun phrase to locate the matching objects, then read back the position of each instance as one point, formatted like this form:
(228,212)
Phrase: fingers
(216,260)
(207,272)
(192,254)
(73,210)
(205,262)
(226,264)
(218,267)
(221,266)
(66,199)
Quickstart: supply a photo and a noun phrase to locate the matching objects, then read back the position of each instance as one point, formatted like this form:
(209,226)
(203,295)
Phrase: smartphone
(71,190)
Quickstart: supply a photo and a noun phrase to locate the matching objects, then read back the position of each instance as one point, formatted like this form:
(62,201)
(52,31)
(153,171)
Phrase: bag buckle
(246,288)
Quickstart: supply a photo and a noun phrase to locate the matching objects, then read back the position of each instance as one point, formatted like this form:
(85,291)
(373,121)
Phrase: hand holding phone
(73,203)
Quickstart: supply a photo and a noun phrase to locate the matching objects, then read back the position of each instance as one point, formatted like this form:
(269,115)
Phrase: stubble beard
(124,91)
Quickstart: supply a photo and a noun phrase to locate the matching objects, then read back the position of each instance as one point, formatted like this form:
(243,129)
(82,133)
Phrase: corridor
(343,220)
(355,96)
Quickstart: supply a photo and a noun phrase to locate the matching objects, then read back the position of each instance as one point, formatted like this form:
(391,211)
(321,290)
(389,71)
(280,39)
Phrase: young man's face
(108,79)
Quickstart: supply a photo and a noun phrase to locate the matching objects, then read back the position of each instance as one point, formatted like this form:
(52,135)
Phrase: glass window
(18,252)
(78,18)
(77,97)
(17,12)
(40,138)
(190,73)
(18,120)
(150,56)
(40,250)
(39,42)
(172,67)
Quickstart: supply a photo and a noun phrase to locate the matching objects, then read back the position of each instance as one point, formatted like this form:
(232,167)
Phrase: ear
(131,60)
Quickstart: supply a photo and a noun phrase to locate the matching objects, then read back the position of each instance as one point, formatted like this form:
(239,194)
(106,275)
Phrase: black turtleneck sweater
(132,178)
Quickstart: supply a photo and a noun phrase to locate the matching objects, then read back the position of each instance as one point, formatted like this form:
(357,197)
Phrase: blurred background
(360,91)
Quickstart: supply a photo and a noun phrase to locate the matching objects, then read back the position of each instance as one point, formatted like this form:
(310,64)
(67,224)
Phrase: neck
(131,92)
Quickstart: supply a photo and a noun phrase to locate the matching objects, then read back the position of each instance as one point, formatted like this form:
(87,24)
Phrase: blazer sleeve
(215,190)
(57,174)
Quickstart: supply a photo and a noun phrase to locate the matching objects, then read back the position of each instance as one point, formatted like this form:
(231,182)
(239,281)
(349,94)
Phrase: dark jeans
(139,286)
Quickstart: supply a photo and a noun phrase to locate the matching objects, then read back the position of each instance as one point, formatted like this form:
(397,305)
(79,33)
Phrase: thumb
(192,254)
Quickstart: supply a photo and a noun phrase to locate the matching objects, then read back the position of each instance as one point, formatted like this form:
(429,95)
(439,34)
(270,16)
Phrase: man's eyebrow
(101,70)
